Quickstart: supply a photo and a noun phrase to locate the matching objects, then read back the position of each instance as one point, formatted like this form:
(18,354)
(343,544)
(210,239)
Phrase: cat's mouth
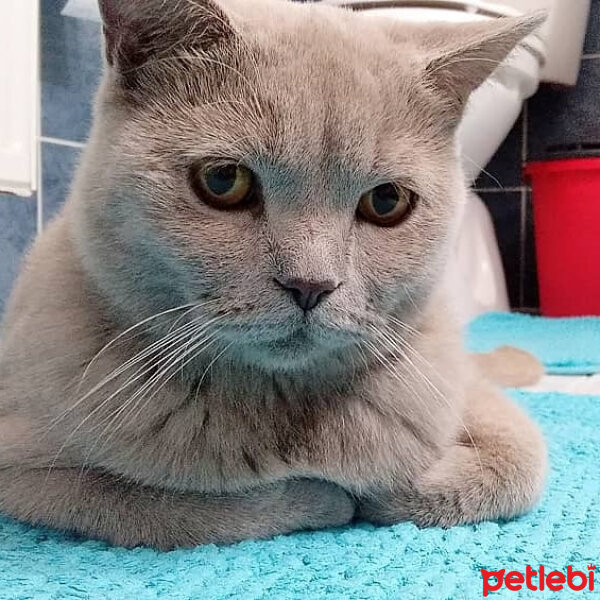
(291,340)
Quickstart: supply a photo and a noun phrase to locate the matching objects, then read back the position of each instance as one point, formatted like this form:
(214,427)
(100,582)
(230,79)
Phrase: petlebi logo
(540,580)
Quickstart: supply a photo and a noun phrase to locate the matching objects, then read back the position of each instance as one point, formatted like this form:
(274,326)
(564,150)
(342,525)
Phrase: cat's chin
(270,359)
(301,349)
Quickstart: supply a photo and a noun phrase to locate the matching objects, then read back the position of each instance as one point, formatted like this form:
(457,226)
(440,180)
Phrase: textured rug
(358,562)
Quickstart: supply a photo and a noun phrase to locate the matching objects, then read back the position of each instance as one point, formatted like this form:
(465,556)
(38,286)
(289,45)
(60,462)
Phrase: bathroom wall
(551,121)
(71,67)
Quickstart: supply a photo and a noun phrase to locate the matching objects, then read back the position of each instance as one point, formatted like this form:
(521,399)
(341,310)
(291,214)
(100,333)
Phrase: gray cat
(235,327)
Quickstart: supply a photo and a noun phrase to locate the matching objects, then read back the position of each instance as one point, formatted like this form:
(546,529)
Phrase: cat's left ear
(461,58)
(137,31)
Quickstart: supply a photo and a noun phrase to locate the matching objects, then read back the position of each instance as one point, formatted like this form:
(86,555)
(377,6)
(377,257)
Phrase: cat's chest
(215,445)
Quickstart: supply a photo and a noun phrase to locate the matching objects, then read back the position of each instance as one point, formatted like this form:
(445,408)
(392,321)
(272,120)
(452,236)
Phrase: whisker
(483,170)
(140,400)
(165,362)
(396,341)
(199,327)
(98,408)
(405,326)
(159,346)
(130,329)
(212,363)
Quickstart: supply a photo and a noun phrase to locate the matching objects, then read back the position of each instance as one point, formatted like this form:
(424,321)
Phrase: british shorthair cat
(235,328)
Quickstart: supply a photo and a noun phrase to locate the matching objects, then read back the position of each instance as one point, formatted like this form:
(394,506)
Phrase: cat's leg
(103,507)
(495,469)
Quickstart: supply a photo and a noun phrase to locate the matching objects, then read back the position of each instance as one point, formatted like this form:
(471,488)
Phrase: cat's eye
(386,205)
(223,186)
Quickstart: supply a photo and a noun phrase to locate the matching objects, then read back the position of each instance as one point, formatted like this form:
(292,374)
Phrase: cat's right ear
(459,58)
(138,31)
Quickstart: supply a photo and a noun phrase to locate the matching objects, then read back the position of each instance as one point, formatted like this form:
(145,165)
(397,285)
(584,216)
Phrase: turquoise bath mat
(360,562)
(565,346)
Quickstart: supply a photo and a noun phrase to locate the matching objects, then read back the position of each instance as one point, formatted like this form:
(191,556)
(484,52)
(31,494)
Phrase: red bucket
(566,204)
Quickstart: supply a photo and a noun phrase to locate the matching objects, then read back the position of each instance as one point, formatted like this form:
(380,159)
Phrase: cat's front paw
(320,504)
(431,510)
(465,486)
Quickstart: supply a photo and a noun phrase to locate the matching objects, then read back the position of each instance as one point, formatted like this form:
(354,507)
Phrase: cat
(235,328)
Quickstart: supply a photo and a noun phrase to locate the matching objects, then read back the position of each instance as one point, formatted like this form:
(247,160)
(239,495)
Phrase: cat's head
(292,167)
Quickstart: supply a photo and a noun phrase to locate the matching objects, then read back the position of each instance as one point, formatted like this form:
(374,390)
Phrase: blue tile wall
(71,69)
(505,209)
(20,218)
(530,290)
(58,166)
(563,121)
(503,171)
(592,41)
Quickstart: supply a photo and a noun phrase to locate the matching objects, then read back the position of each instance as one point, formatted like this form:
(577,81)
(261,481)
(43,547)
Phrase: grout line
(496,190)
(40,189)
(59,142)
(38,132)
(523,246)
(525,132)
(591,56)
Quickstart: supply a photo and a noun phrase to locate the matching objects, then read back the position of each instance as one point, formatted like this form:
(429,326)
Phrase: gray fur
(257,419)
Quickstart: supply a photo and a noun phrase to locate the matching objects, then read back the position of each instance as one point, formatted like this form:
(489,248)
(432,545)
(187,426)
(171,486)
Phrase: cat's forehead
(324,37)
(316,89)
(335,86)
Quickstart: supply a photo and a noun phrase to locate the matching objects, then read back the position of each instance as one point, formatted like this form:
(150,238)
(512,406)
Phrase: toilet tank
(563,34)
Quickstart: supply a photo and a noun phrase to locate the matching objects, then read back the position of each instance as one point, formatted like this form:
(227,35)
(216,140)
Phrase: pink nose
(307,293)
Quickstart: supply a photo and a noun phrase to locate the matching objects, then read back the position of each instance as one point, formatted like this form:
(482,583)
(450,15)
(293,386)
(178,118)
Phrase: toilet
(553,54)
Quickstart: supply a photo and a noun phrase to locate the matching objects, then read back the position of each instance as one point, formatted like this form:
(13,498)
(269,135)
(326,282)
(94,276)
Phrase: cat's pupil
(221,180)
(385,199)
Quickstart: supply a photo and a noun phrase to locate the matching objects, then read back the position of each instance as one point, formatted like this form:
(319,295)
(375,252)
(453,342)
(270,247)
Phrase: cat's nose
(307,293)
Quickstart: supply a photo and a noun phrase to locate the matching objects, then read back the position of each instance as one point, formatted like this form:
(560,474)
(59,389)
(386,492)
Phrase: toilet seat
(478,7)
(449,11)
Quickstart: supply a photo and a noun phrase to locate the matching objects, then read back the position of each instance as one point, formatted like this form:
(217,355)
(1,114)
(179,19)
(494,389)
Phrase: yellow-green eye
(223,186)
(386,205)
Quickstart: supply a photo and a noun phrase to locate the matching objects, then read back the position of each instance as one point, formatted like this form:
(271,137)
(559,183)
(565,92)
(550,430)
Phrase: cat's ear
(137,31)
(460,58)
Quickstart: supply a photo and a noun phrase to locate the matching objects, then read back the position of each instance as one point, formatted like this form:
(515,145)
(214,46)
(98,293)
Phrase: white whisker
(157,347)
(129,330)
(403,346)
(140,400)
